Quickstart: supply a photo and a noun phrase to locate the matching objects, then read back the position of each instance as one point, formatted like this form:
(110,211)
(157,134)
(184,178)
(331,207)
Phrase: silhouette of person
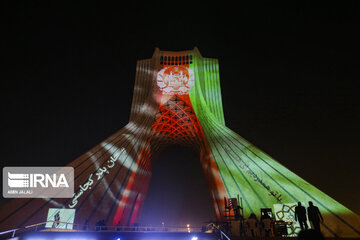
(252,224)
(86,225)
(300,216)
(56,220)
(314,216)
(267,225)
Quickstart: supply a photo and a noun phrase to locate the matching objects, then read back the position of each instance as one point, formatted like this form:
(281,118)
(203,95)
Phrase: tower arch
(177,100)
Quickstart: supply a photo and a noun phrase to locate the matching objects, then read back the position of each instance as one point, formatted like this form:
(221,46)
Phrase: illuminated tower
(177,100)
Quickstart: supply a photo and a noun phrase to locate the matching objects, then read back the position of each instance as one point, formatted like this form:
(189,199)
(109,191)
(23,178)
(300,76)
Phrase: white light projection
(175,80)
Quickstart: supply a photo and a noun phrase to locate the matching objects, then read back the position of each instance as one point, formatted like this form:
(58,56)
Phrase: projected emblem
(176,80)
(286,212)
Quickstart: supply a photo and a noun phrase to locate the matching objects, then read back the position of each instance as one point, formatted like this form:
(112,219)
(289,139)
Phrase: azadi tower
(177,100)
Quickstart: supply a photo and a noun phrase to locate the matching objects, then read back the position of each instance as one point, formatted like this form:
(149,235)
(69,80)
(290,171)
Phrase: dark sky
(288,76)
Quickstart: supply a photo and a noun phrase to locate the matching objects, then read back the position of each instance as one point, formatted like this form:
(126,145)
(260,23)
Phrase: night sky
(289,73)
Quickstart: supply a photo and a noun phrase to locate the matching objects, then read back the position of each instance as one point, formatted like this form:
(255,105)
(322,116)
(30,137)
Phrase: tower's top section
(175,77)
(169,58)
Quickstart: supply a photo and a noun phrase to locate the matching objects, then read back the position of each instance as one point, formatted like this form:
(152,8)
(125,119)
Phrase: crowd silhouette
(256,228)
(265,227)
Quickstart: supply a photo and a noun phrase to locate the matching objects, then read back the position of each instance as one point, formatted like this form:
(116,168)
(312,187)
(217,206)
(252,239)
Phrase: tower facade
(177,100)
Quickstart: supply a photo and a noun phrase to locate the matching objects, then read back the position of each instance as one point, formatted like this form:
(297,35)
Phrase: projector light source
(194,238)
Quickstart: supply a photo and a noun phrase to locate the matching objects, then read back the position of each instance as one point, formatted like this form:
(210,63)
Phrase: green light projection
(260,180)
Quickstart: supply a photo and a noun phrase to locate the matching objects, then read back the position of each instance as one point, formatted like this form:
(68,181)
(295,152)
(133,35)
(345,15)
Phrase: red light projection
(176,121)
(175,80)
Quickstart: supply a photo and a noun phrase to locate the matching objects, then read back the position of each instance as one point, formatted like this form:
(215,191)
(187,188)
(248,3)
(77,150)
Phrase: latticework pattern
(176,121)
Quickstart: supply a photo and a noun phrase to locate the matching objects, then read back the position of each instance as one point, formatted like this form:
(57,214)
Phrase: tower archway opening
(178,193)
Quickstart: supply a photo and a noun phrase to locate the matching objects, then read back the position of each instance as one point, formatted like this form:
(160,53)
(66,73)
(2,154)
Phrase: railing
(12,231)
(222,234)
(69,227)
(147,229)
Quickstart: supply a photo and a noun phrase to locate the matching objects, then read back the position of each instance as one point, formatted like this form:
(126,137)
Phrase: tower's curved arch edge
(177,100)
